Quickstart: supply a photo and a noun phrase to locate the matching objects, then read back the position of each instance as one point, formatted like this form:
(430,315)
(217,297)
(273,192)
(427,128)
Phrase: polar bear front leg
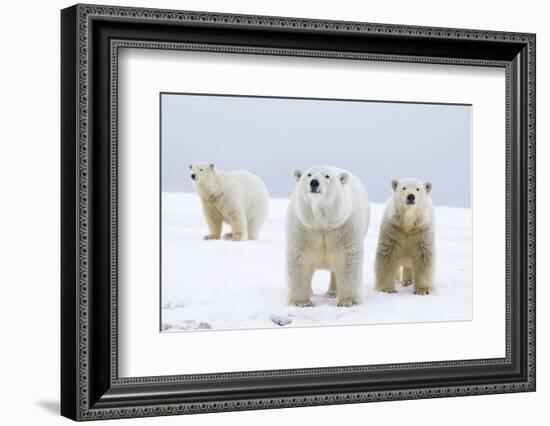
(423,267)
(299,278)
(214,220)
(385,271)
(423,279)
(387,260)
(349,276)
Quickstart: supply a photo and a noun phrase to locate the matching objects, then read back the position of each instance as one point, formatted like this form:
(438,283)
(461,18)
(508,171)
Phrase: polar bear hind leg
(254,225)
(407,277)
(256,221)
(398,276)
(331,292)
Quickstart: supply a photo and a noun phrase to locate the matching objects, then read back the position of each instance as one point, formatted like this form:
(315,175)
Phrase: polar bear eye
(327,176)
(404,188)
(418,189)
(201,170)
(309,175)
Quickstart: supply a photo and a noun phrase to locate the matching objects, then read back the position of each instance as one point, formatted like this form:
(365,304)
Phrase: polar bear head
(323,199)
(411,197)
(320,182)
(201,173)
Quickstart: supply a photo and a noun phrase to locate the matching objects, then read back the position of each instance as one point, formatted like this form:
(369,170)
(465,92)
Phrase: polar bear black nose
(410,198)
(314,183)
(193,176)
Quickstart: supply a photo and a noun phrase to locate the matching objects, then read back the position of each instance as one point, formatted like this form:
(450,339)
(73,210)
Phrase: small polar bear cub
(407,238)
(327,219)
(237,198)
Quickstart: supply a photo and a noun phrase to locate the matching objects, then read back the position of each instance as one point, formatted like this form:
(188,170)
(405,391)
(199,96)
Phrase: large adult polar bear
(238,198)
(327,219)
(407,239)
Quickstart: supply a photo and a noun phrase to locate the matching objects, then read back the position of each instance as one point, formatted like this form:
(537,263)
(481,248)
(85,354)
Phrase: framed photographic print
(263,212)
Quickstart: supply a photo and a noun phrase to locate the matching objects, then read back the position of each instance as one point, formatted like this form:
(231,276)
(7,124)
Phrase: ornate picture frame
(91,37)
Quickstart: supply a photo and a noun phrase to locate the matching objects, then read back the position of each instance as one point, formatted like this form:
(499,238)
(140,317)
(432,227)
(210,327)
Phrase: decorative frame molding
(91,388)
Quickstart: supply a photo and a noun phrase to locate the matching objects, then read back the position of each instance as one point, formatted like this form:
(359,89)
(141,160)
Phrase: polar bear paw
(211,237)
(406,283)
(422,291)
(348,302)
(233,236)
(331,294)
(301,303)
(387,290)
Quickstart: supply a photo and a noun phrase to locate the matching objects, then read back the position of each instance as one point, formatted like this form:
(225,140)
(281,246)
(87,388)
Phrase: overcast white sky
(377,141)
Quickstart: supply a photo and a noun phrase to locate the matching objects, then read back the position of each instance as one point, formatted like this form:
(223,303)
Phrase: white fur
(407,239)
(237,198)
(326,230)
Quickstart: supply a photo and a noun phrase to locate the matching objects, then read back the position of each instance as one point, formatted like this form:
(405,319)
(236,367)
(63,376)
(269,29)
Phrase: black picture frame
(90,386)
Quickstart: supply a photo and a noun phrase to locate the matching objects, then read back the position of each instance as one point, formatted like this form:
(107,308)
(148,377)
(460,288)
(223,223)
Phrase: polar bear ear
(211,165)
(190,167)
(394,184)
(428,186)
(297,174)
(344,177)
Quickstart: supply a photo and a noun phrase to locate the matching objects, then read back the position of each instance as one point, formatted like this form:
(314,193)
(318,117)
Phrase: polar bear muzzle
(314,186)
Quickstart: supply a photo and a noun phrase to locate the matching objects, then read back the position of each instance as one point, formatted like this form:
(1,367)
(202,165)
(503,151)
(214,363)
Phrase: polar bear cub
(237,198)
(407,238)
(327,219)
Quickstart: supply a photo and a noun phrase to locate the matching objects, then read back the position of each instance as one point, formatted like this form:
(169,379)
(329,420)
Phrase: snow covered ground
(236,285)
